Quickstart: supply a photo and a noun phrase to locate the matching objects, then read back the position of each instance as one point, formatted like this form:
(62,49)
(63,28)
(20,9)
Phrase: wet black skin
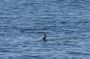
(44,38)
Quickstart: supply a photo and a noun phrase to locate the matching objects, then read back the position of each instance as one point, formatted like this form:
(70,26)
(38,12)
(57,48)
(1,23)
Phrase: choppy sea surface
(66,23)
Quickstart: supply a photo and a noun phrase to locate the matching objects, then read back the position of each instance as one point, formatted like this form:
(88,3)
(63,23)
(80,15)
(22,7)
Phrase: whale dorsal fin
(44,38)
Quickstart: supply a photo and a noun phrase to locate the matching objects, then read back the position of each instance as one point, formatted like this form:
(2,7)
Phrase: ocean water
(66,23)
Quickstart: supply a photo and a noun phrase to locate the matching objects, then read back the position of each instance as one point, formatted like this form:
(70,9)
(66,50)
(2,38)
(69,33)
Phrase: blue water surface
(66,23)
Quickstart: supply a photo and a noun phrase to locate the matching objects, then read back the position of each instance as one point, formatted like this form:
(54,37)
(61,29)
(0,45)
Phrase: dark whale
(44,38)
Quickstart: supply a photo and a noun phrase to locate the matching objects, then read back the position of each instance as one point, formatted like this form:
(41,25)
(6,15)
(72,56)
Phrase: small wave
(25,57)
(77,53)
(4,50)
